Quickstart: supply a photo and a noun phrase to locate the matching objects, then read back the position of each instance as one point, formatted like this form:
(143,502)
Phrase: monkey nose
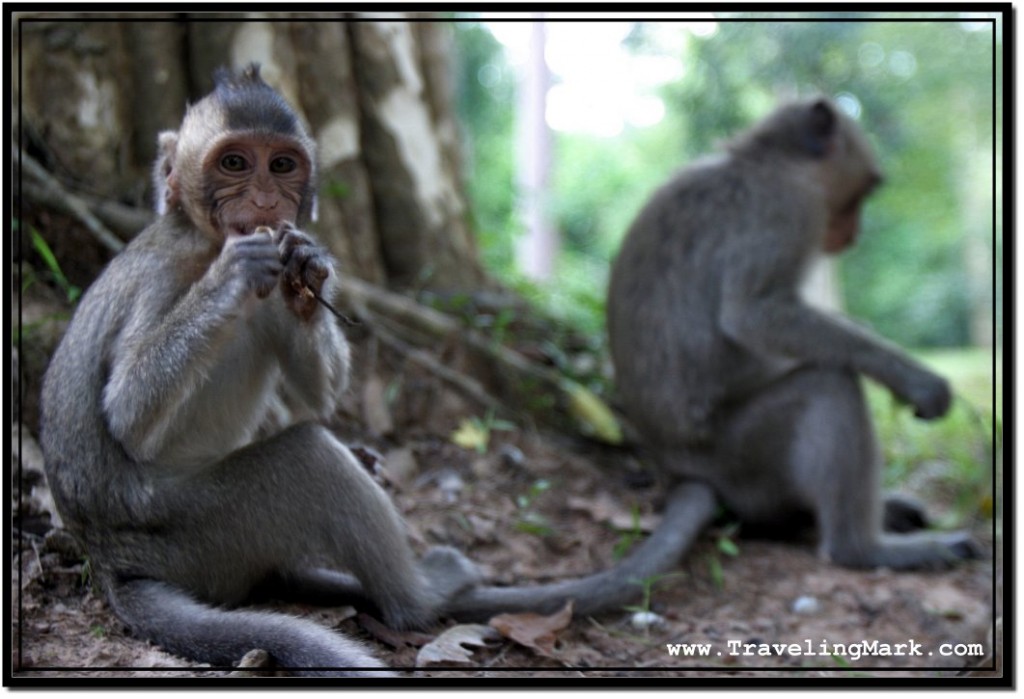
(265,200)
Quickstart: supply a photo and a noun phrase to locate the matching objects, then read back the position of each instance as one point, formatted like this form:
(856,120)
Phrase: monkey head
(850,173)
(838,157)
(241,159)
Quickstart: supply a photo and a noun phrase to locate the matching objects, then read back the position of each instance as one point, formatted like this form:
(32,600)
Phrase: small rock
(646,620)
(806,605)
(451,484)
(512,456)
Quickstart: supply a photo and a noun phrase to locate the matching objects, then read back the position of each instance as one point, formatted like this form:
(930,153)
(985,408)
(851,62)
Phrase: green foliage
(952,458)
(337,189)
(923,88)
(485,103)
(475,432)
(71,291)
(725,544)
(647,586)
(628,537)
(529,521)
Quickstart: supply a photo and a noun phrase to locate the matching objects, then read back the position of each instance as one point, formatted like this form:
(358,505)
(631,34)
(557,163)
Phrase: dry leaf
(471,434)
(255,663)
(595,417)
(395,639)
(401,465)
(605,508)
(534,630)
(449,646)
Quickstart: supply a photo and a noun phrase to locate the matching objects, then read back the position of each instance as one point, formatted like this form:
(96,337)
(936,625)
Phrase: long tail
(689,509)
(174,620)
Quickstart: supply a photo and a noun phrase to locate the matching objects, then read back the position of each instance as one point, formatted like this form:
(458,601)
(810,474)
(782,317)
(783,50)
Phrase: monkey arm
(313,355)
(765,320)
(163,353)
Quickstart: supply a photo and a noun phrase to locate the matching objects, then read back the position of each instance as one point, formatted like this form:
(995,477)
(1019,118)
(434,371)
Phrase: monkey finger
(292,240)
(310,263)
(278,234)
(315,272)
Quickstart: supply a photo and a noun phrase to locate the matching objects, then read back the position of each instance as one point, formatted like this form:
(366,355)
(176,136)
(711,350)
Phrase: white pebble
(806,605)
(644,620)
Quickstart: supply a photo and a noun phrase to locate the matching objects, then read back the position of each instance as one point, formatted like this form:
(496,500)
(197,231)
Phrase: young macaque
(743,393)
(205,325)
(736,383)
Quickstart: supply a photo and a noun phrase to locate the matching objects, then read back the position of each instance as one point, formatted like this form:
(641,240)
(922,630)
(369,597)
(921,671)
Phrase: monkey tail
(172,619)
(689,509)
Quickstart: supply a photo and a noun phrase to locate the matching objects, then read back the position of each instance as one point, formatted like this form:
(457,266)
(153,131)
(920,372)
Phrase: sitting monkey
(191,337)
(743,393)
(732,380)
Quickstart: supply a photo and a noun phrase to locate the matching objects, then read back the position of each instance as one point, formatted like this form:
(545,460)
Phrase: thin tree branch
(41,187)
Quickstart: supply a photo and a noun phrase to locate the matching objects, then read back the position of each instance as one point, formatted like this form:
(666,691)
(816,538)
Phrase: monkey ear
(820,128)
(165,183)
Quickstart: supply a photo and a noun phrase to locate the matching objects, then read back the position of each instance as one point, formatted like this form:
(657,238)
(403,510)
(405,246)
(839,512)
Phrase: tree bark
(420,210)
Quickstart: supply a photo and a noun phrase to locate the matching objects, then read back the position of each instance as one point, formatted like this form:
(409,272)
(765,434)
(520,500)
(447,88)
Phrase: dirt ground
(540,506)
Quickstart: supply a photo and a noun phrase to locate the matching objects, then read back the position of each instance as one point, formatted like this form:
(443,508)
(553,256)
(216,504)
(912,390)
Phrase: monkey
(743,394)
(731,378)
(155,403)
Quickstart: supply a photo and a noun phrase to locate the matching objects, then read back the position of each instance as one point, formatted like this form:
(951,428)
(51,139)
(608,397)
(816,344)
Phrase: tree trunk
(376,95)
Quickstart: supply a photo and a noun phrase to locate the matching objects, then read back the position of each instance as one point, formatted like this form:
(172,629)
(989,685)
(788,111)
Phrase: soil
(536,506)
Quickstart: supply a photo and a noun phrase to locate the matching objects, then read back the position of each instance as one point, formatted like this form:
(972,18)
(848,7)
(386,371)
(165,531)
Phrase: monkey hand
(928,393)
(248,265)
(307,266)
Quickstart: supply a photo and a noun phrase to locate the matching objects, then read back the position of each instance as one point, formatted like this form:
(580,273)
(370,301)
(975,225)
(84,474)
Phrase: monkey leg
(810,433)
(174,620)
(903,514)
(447,572)
(285,507)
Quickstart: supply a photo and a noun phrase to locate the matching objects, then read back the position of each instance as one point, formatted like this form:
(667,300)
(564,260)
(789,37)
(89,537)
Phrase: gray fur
(732,380)
(174,360)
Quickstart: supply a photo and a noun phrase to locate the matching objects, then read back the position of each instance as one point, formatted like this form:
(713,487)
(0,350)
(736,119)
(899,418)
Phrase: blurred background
(624,104)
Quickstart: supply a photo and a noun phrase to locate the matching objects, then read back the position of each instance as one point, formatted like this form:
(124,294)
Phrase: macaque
(744,395)
(205,326)
(731,379)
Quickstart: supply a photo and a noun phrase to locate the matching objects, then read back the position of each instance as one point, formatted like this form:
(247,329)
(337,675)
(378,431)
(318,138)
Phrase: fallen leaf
(401,465)
(395,639)
(471,435)
(449,646)
(595,417)
(605,508)
(534,630)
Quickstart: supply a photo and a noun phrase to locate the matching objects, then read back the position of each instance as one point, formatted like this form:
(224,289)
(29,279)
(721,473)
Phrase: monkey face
(842,230)
(251,181)
(844,223)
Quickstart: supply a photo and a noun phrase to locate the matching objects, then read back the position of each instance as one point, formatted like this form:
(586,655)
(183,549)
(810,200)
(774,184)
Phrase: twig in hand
(303,289)
(326,304)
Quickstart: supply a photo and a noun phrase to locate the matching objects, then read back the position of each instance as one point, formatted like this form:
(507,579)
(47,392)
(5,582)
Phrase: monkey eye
(233,163)
(282,165)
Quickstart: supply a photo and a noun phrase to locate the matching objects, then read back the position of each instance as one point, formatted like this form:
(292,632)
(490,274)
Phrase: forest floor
(530,505)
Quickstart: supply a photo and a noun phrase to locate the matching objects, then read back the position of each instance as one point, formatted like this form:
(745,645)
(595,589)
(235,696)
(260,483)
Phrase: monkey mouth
(250,227)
